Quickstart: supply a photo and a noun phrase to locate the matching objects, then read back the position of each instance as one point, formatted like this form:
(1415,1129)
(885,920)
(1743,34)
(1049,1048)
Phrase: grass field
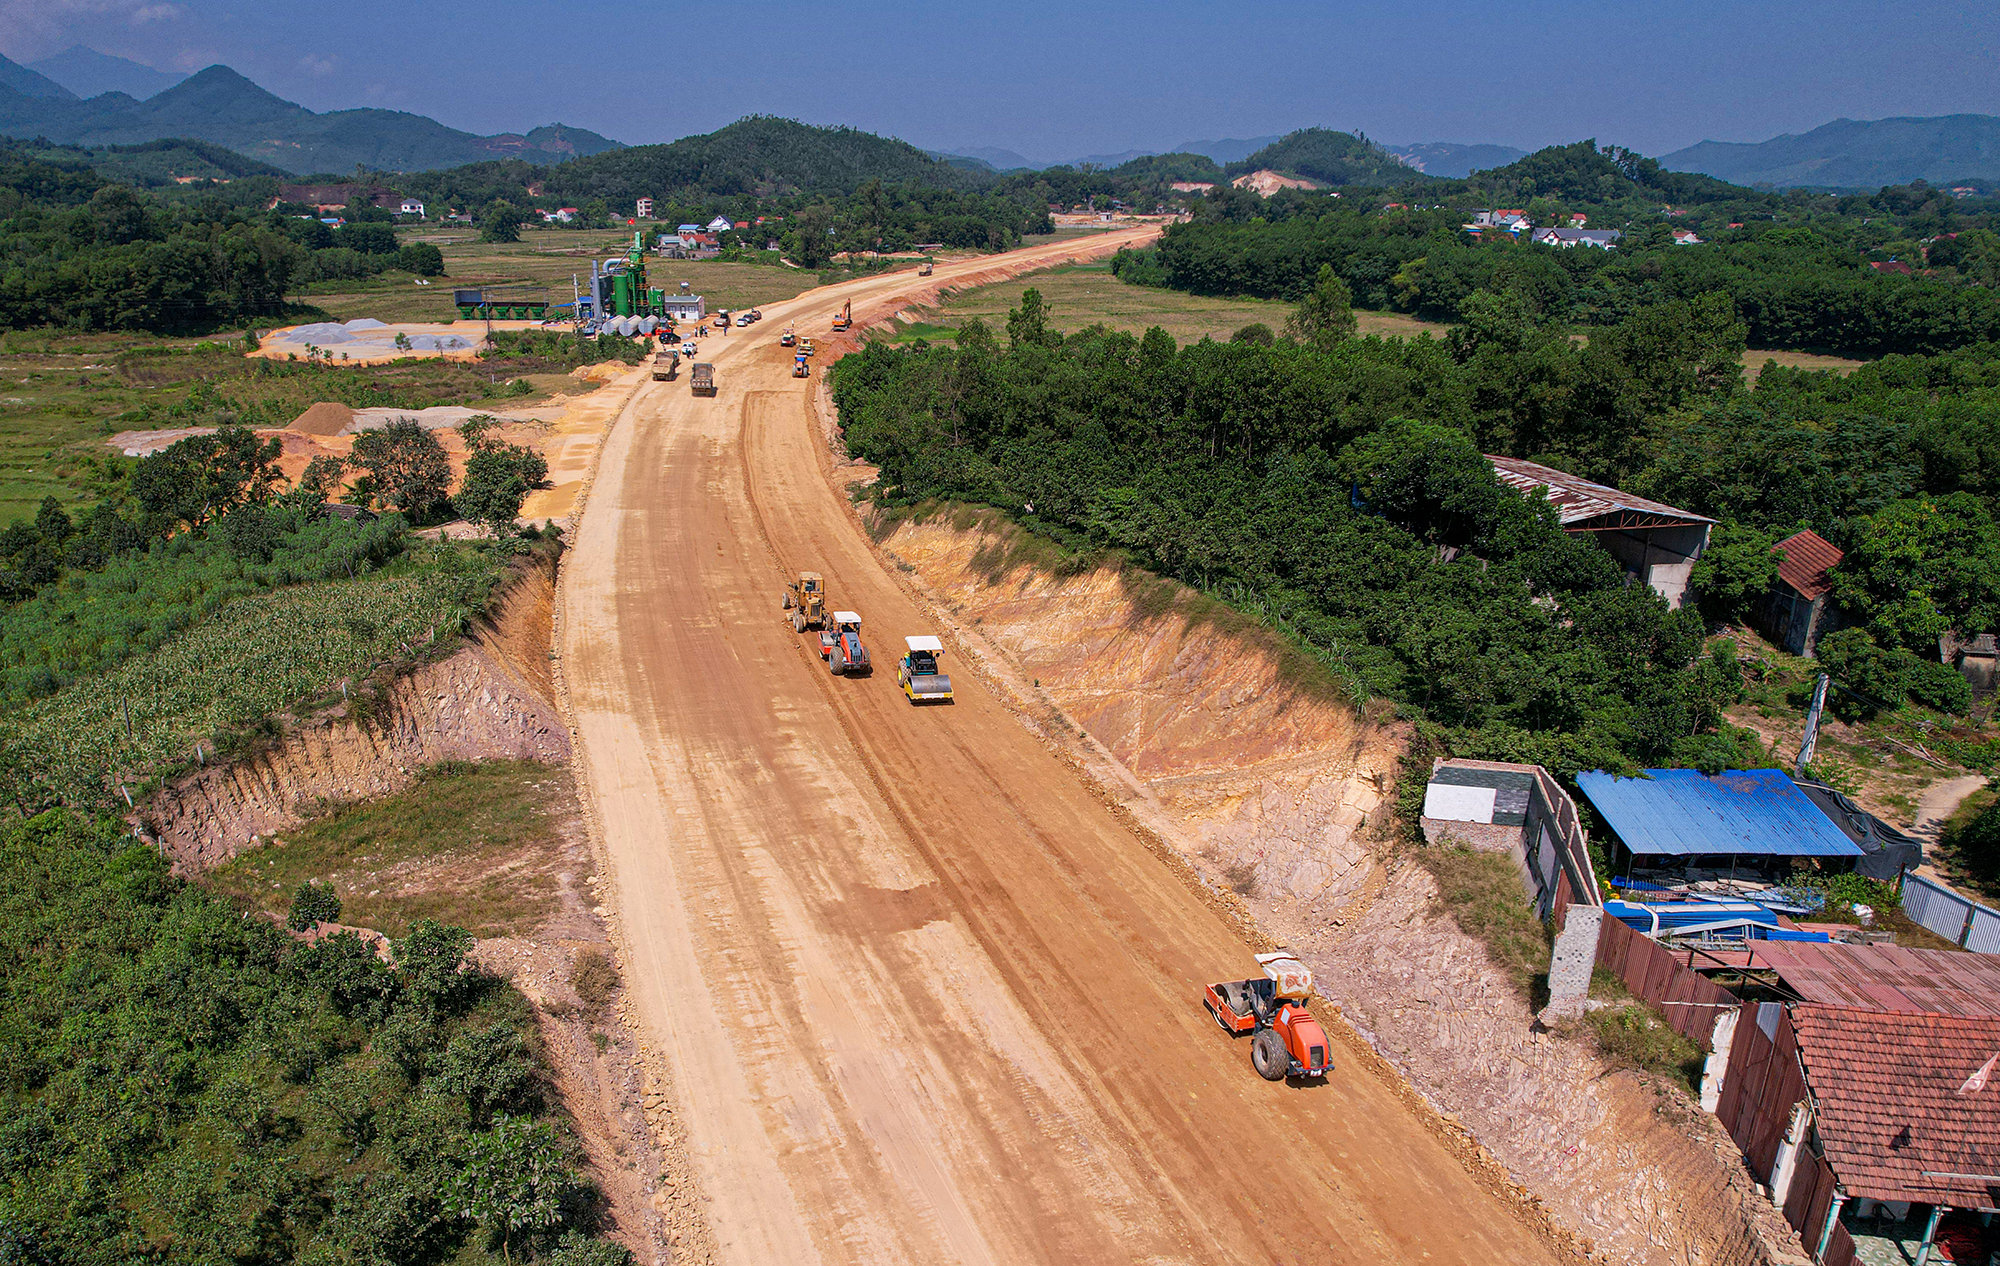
(467,844)
(543,257)
(1087,294)
(1753,363)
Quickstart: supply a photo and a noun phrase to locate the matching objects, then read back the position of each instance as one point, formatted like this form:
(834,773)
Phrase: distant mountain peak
(1856,154)
(31,83)
(89,73)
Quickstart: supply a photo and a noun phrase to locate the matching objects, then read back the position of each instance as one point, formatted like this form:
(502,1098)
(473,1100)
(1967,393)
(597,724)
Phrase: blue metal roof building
(1686,813)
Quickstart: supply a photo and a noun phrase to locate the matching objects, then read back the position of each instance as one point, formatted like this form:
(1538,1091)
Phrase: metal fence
(1957,919)
(1689,1002)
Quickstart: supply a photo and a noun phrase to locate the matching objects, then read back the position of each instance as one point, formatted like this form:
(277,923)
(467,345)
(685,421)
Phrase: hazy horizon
(1116,78)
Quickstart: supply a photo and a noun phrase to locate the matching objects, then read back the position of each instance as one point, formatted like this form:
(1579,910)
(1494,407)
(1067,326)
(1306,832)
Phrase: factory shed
(1655,542)
(1887,977)
(1754,817)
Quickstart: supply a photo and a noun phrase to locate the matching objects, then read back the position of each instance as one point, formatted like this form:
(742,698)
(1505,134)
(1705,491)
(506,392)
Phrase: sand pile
(324,418)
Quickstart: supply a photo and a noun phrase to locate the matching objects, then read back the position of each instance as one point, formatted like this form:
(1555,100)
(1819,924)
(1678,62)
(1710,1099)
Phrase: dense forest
(1800,280)
(1337,485)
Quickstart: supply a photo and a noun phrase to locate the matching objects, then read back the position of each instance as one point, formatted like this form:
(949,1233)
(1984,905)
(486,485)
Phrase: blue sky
(1058,82)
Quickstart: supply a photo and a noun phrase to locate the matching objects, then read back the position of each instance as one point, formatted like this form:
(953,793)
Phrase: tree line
(80,251)
(1338,485)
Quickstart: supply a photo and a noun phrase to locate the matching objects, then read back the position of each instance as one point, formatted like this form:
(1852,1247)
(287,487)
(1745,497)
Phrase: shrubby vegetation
(183,1084)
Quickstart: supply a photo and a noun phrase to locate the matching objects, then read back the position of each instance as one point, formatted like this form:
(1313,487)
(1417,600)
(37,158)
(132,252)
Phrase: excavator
(845,317)
(1286,1041)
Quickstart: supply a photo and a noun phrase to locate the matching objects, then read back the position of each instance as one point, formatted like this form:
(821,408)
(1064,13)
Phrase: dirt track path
(925,999)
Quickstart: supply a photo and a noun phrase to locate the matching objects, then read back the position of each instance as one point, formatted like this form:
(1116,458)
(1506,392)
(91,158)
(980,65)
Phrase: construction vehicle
(805,347)
(666,364)
(702,380)
(925,271)
(806,600)
(799,369)
(845,655)
(918,673)
(1286,1041)
(845,317)
(787,338)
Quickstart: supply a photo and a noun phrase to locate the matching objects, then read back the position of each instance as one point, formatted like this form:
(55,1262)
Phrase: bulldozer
(1286,1041)
(806,600)
(845,317)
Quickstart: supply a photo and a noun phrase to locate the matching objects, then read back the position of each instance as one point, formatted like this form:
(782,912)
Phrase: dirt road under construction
(924,998)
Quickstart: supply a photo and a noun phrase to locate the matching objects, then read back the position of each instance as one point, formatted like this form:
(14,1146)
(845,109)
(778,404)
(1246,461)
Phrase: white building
(411,207)
(720,224)
(645,208)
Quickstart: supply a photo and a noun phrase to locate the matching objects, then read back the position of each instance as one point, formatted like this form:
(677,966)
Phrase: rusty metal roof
(1808,558)
(1888,977)
(1584,506)
(1885,1088)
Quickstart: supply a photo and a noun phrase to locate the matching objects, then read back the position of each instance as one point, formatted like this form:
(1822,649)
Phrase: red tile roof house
(1799,609)
(1895,1111)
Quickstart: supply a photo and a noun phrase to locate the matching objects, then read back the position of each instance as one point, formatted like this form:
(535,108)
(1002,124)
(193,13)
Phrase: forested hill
(220,106)
(1852,154)
(1329,158)
(760,156)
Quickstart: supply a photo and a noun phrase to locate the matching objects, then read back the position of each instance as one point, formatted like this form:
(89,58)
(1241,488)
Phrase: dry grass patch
(1482,892)
(473,845)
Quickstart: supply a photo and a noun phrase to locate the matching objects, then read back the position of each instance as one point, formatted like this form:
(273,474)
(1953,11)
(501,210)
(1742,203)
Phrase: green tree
(1028,325)
(498,477)
(406,465)
(313,903)
(1735,573)
(1326,315)
(511,1180)
(196,479)
(321,478)
(500,222)
(1918,568)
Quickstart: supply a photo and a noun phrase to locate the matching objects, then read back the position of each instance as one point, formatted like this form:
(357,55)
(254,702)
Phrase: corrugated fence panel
(1839,1248)
(1936,908)
(1760,1088)
(1984,937)
(1690,1003)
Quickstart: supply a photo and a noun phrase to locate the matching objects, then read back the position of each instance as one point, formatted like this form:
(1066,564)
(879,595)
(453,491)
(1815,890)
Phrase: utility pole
(1811,740)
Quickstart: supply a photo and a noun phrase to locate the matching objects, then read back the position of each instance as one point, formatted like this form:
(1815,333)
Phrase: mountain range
(89,73)
(220,106)
(1433,158)
(1853,154)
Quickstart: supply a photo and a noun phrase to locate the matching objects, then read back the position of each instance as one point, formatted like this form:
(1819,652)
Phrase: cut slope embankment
(1278,792)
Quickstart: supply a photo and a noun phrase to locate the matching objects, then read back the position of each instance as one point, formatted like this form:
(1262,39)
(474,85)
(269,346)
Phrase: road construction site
(912,989)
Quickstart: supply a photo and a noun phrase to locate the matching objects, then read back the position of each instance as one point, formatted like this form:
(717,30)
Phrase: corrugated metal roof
(1808,557)
(1579,501)
(1889,977)
(1885,1086)
(1684,812)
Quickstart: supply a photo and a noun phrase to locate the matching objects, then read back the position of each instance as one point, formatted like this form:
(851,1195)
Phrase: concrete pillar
(1571,960)
(1716,1066)
(1787,1160)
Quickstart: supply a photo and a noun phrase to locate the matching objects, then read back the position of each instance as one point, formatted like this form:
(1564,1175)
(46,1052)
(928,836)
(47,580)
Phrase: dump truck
(806,600)
(845,317)
(702,379)
(845,655)
(666,364)
(918,673)
(1285,1040)
(787,338)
